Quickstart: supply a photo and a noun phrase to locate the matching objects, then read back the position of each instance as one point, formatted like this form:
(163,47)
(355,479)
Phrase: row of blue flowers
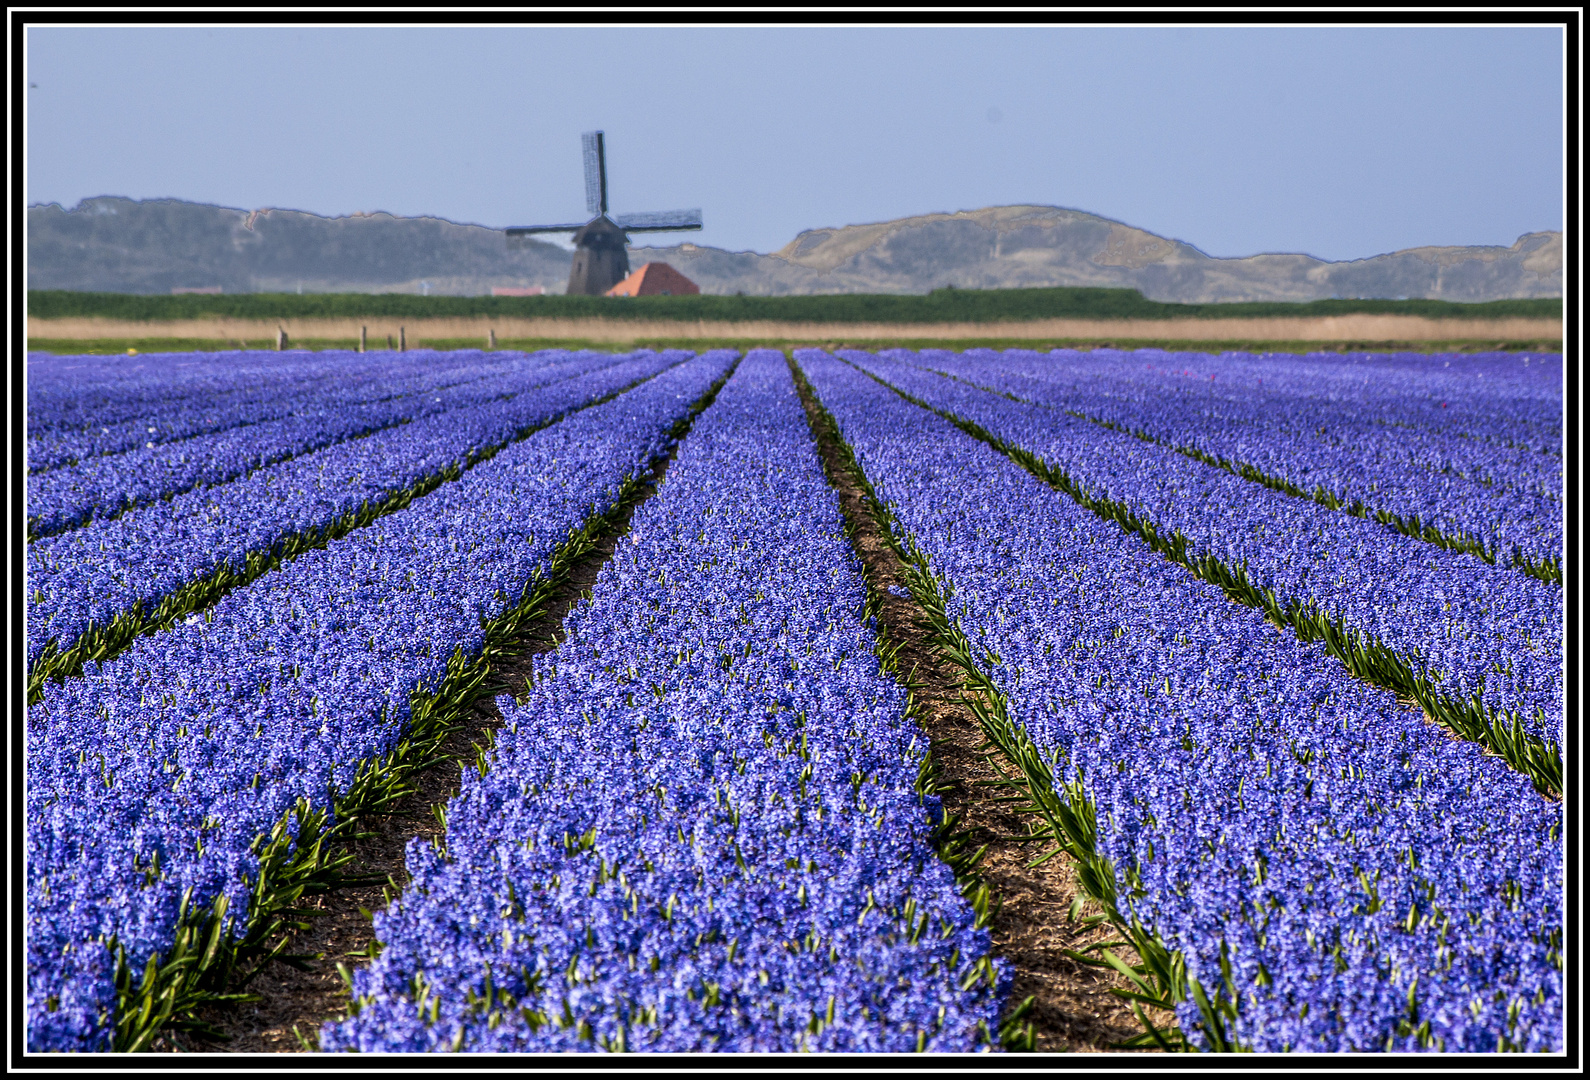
(1443,411)
(91,577)
(1479,631)
(106,486)
(1336,872)
(1360,431)
(700,830)
(152,779)
(80,407)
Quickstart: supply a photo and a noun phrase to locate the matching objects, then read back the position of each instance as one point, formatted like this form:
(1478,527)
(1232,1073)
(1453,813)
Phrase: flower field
(1273,646)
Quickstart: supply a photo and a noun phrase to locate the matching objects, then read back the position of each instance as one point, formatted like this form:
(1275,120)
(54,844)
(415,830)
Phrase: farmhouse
(655,279)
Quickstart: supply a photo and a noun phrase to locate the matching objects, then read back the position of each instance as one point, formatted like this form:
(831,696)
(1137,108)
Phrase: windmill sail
(520,236)
(525,230)
(601,258)
(658,220)
(595,172)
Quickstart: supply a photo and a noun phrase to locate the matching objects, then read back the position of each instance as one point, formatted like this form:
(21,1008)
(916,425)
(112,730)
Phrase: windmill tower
(601,258)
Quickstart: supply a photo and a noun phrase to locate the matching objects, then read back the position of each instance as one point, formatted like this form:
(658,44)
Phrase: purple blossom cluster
(1358,427)
(106,486)
(81,407)
(154,776)
(88,577)
(1342,875)
(1473,628)
(700,831)
(84,406)
(1431,400)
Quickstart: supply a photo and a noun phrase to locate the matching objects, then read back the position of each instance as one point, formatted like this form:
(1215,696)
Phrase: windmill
(600,256)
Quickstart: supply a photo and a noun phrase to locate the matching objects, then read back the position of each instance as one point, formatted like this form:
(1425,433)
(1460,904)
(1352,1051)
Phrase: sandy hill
(1014,246)
(152,246)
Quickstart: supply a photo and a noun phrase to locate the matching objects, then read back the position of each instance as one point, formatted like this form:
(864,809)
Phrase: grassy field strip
(103,641)
(1365,656)
(1549,570)
(946,305)
(1323,329)
(112,346)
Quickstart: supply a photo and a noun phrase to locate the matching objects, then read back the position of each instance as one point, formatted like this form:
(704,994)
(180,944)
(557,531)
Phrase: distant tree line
(940,305)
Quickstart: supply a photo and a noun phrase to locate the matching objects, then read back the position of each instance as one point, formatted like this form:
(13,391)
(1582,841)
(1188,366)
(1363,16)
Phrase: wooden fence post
(403,339)
(281,339)
(364,335)
(491,339)
(389,344)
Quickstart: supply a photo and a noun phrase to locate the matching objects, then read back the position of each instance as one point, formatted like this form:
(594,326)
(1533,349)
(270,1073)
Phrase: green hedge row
(941,305)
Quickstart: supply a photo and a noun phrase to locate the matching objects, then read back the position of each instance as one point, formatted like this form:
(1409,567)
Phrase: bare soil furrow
(295,999)
(1073,1008)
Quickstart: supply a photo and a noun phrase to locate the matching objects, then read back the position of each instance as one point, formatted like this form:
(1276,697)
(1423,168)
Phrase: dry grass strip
(1410,328)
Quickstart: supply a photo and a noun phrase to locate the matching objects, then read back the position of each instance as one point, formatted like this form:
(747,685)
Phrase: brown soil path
(1073,1008)
(340,927)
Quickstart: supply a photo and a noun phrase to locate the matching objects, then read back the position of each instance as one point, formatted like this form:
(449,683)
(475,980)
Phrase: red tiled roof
(655,279)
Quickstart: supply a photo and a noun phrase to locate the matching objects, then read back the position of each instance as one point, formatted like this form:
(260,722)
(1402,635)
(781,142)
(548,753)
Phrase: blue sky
(1339,142)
